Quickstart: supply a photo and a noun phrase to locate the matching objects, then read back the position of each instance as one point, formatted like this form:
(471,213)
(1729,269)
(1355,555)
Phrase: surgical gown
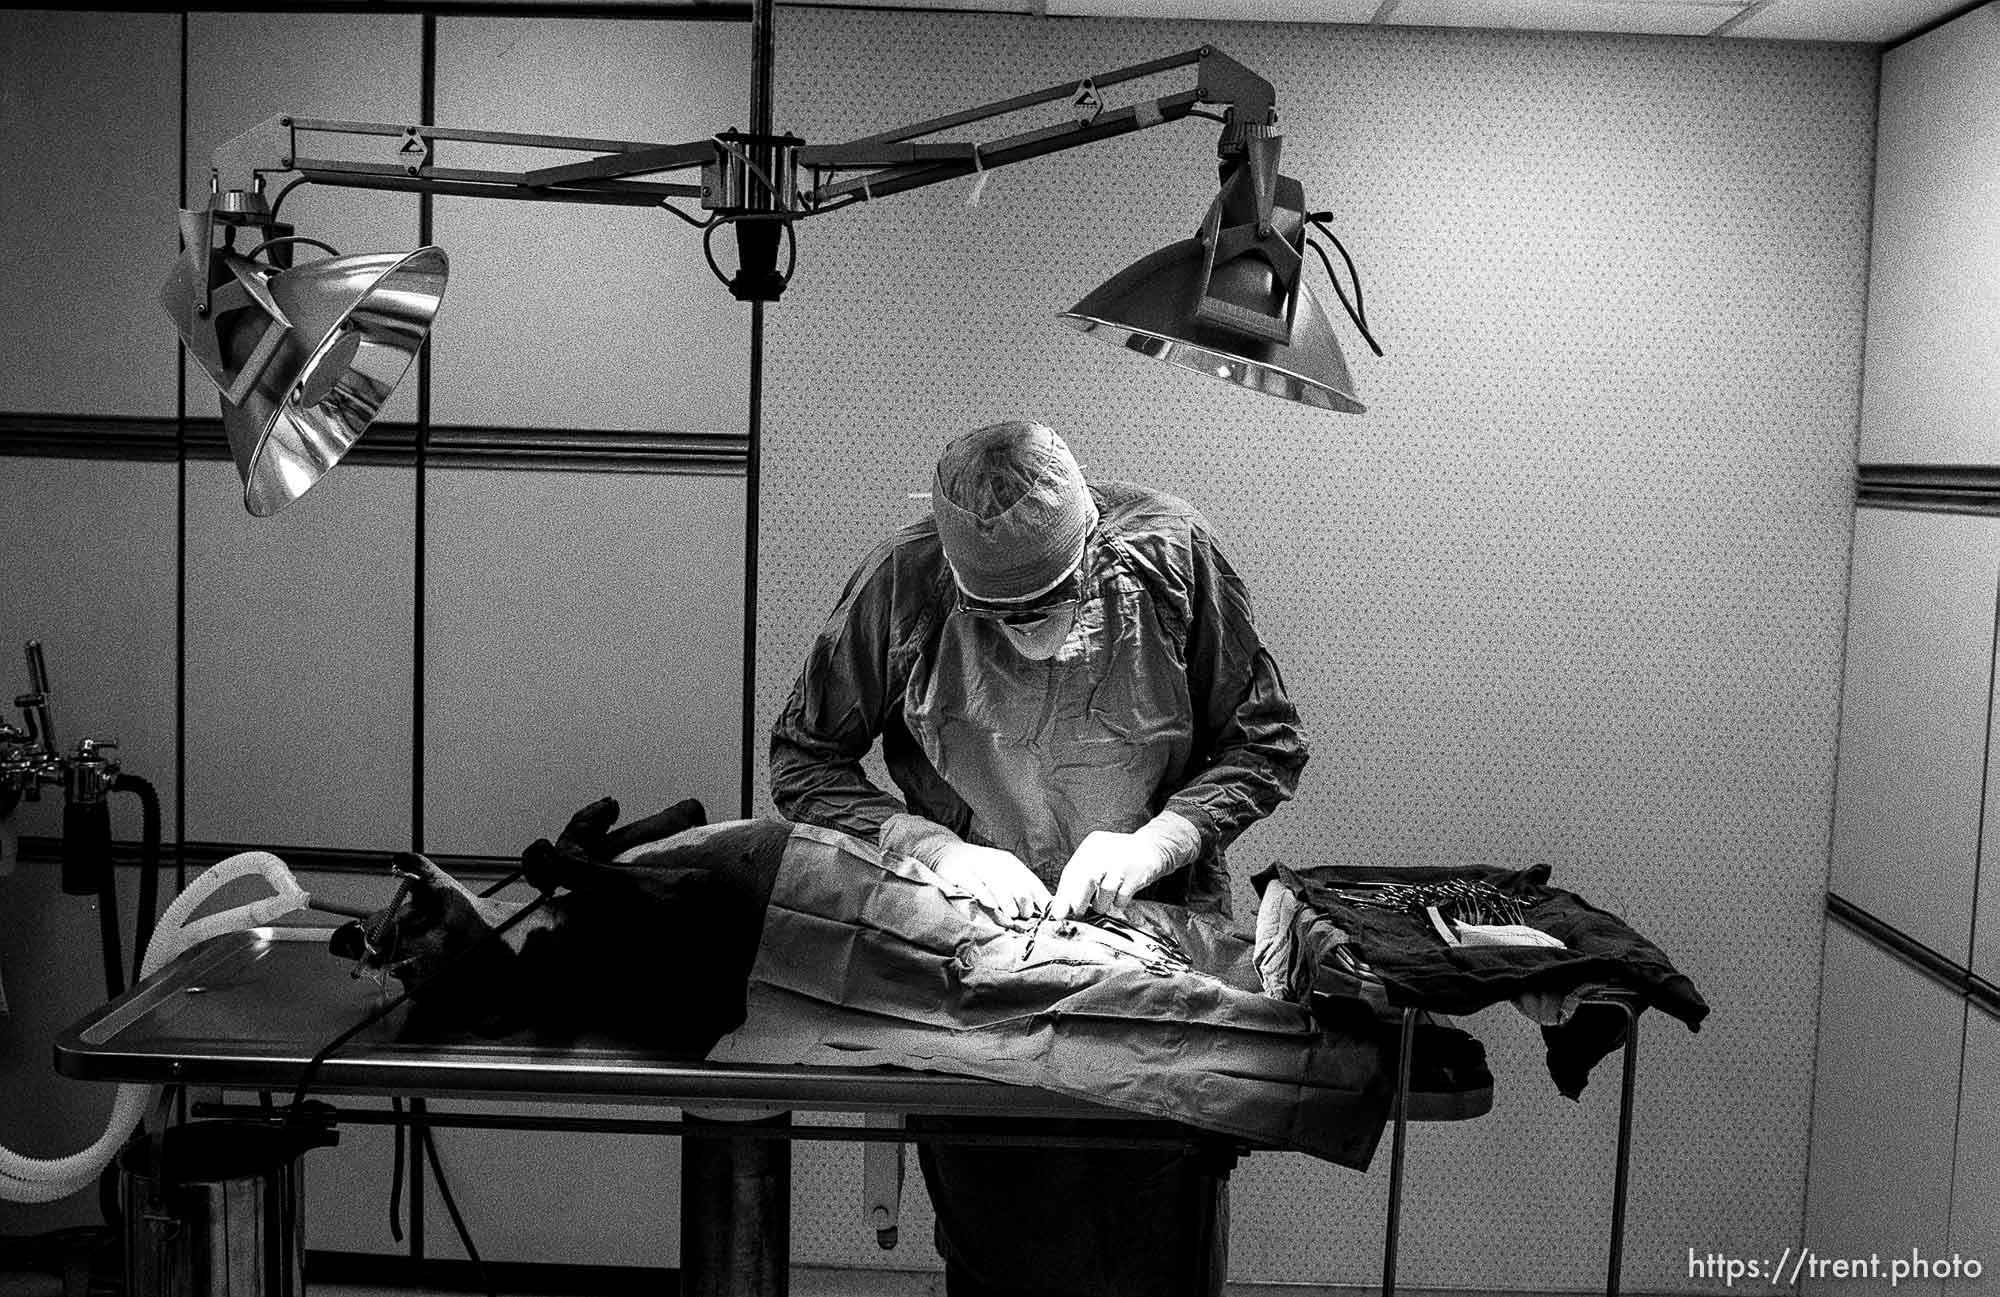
(1162,697)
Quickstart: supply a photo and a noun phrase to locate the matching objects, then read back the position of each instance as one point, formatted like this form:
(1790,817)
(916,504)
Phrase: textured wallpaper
(1572,591)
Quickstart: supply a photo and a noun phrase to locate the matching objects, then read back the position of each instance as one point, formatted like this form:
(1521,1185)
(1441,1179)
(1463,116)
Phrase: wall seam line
(426,111)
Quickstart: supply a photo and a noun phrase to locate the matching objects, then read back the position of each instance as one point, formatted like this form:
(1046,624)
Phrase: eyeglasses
(1060,601)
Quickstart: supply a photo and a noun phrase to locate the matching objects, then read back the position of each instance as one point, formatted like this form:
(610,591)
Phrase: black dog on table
(655,952)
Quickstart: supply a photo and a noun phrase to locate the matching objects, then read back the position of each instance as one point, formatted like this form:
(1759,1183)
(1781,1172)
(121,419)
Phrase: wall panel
(299,667)
(246,67)
(1913,733)
(1933,392)
(1572,591)
(564,316)
(526,1196)
(88,112)
(584,639)
(1975,1191)
(1884,1112)
(89,572)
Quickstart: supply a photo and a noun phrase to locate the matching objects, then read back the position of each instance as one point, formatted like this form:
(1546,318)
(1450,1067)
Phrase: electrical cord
(279,201)
(708,251)
(836,204)
(428,1139)
(396,1171)
(505,883)
(748,165)
(1355,311)
(107,921)
(427,1147)
(372,937)
(791,248)
(327,248)
(149,863)
(698,222)
(451,967)
(399,1137)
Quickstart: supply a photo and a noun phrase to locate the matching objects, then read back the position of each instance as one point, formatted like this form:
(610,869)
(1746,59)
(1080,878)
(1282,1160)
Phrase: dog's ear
(417,869)
(433,898)
(426,888)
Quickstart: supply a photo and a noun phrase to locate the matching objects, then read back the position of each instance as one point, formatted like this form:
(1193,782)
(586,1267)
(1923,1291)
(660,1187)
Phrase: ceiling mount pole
(761,53)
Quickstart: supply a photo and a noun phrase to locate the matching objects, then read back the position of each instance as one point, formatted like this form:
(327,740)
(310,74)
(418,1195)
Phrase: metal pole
(1624,1166)
(736,1197)
(736,1193)
(761,50)
(1399,1111)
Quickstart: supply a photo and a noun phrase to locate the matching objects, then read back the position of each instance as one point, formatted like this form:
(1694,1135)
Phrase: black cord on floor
(428,1139)
(396,1180)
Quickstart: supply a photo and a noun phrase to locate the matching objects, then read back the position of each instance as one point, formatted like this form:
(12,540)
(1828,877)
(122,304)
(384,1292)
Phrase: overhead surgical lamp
(305,356)
(1229,302)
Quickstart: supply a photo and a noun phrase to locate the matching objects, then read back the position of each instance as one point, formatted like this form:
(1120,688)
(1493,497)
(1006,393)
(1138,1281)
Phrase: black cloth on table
(1417,968)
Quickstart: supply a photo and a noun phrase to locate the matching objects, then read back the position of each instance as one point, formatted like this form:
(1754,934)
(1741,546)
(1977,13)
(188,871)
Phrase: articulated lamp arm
(304,358)
(894,162)
(403,159)
(742,176)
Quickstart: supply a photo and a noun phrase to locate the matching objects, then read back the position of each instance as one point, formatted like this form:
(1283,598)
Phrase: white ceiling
(1872,22)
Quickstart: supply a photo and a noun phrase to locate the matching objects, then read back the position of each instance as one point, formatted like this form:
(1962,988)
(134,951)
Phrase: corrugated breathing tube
(32,1179)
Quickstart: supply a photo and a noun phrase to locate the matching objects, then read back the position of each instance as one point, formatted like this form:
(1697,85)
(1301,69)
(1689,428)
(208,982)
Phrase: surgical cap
(1012,511)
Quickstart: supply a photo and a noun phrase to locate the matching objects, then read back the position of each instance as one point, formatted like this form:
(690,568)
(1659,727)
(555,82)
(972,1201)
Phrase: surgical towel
(1340,950)
(867,958)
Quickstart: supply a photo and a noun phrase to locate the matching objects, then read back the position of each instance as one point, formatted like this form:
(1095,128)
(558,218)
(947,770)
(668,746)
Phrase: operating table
(252,1010)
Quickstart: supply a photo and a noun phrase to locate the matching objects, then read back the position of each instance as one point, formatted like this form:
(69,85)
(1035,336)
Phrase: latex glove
(996,879)
(1108,869)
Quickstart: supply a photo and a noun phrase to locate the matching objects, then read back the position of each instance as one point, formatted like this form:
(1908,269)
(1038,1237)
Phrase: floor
(806,1281)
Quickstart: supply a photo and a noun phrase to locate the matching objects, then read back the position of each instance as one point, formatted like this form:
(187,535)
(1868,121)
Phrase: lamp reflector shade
(355,324)
(1154,307)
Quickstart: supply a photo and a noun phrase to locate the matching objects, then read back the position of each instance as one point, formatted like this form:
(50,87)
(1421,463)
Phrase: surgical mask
(1037,631)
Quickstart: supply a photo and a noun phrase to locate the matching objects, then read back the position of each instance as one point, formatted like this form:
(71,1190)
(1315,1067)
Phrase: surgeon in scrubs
(1072,699)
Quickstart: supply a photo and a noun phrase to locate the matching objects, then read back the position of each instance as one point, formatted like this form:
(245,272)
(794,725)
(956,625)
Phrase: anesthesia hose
(32,1179)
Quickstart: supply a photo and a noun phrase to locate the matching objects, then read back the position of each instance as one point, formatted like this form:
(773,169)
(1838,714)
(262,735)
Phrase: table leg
(736,1210)
(1205,1223)
(1399,1110)
(1624,1165)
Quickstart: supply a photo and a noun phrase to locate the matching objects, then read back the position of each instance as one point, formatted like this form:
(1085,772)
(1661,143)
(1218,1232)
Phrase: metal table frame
(1399,1119)
(735,1234)
(249,1011)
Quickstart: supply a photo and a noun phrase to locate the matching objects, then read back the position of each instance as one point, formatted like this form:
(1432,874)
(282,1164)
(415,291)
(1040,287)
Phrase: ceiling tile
(1647,17)
(1873,21)
(978,6)
(1272,11)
